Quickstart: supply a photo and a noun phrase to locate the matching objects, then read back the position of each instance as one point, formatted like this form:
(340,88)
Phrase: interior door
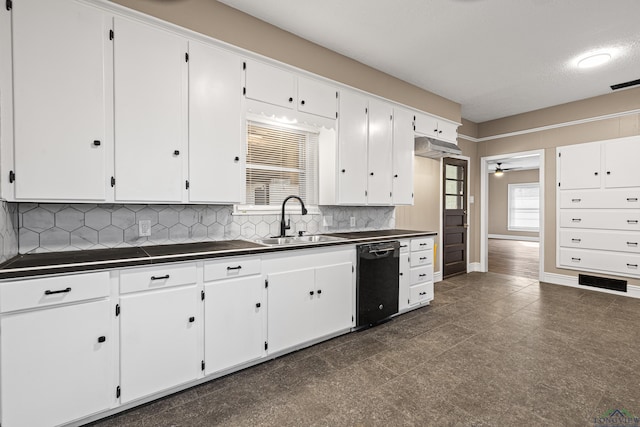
(454,221)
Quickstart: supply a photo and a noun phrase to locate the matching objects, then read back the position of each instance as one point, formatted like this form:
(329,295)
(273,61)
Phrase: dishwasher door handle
(382,252)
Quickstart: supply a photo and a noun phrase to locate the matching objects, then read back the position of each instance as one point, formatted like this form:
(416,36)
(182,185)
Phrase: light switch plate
(352,221)
(144,228)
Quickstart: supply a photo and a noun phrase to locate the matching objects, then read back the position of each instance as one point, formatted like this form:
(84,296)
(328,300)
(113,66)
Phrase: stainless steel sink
(300,240)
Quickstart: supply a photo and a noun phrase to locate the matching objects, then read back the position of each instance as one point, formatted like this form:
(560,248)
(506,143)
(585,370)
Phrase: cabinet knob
(102,339)
(302,102)
(343,170)
(395,176)
(608,172)
(290,99)
(258,305)
(310,292)
(236,159)
(371,174)
(96,143)
(192,319)
(435,130)
(595,173)
(319,291)
(176,152)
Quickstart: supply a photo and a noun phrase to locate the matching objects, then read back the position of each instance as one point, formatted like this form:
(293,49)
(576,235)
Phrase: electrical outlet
(352,221)
(144,227)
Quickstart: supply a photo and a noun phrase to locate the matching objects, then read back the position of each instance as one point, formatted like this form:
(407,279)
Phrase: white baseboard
(473,266)
(633,291)
(437,276)
(511,237)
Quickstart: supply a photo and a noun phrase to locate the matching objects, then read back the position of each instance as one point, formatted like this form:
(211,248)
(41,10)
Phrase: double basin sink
(298,240)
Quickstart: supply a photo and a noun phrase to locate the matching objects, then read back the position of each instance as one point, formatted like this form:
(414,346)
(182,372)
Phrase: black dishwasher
(377,282)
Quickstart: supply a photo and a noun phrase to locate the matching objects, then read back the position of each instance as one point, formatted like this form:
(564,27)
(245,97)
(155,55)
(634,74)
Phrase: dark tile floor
(491,350)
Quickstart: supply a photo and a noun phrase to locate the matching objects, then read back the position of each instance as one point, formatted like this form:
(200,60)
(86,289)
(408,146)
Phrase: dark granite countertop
(32,265)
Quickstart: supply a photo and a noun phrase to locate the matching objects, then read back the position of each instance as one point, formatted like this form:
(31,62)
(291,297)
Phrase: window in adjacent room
(282,160)
(524,207)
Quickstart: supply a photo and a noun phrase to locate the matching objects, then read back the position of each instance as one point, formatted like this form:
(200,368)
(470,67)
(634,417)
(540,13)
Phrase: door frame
(484,207)
(440,257)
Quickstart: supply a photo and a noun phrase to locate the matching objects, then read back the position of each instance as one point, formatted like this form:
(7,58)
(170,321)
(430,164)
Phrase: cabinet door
(380,153)
(579,166)
(352,149)
(234,321)
(334,307)
(317,98)
(290,303)
(270,84)
(216,156)
(447,131)
(59,100)
(621,163)
(403,143)
(54,367)
(426,125)
(404,282)
(150,75)
(158,340)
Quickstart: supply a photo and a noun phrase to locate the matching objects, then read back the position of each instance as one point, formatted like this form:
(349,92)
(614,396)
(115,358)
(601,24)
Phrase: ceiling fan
(499,171)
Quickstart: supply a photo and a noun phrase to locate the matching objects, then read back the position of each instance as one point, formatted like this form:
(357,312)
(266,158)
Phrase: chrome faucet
(284,226)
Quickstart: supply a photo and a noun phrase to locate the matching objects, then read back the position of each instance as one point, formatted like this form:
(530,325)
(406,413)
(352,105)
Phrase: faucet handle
(301,233)
(288,226)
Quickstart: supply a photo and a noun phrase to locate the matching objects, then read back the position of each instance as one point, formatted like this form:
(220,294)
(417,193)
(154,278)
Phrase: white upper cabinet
(352,149)
(579,166)
(621,163)
(60,53)
(380,153)
(270,84)
(317,98)
(150,73)
(436,128)
(216,154)
(402,184)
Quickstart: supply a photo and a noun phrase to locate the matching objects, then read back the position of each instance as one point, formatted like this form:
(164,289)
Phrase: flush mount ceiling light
(594,60)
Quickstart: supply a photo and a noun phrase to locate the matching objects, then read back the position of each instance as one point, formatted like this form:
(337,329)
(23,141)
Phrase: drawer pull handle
(632,265)
(632,243)
(166,276)
(576,219)
(192,319)
(576,240)
(632,199)
(403,246)
(423,244)
(234,268)
(421,275)
(258,305)
(422,258)
(102,339)
(60,291)
(632,221)
(422,293)
(574,259)
(576,200)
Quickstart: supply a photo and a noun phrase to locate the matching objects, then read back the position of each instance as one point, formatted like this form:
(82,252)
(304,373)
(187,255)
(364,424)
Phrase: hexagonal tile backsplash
(8,230)
(47,227)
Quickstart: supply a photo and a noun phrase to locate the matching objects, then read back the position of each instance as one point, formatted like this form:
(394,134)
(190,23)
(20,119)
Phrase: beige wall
(224,23)
(549,139)
(498,199)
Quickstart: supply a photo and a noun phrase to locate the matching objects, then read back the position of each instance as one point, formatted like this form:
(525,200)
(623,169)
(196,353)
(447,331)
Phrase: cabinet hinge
(113,181)
(559,154)
(202,295)
(12,177)
(391,117)
(186,184)
(266,283)
(412,195)
(186,57)
(366,111)
(9,4)
(365,193)
(353,269)
(117,310)
(110,34)
(118,392)
(336,114)
(266,345)
(558,184)
(244,90)
(414,127)
(202,365)
(390,194)
(244,65)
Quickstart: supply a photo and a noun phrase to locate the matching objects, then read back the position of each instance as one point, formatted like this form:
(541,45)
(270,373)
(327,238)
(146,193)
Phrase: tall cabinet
(599,207)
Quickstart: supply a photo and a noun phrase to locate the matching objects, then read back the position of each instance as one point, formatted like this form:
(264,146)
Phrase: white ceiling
(495,57)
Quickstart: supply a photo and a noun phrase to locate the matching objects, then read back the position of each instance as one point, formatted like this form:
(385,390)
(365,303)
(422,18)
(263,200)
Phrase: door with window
(454,221)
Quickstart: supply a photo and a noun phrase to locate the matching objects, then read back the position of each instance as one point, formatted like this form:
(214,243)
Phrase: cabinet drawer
(43,292)
(612,262)
(621,241)
(421,274)
(594,199)
(421,244)
(602,219)
(232,267)
(420,293)
(142,279)
(421,258)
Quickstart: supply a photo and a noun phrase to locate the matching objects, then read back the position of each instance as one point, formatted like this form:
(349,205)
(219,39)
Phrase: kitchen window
(524,207)
(282,160)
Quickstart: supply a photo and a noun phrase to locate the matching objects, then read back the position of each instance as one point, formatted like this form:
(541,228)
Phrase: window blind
(281,161)
(524,207)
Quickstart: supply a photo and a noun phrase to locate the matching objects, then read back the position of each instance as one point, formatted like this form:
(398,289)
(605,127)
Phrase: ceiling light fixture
(498,173)
(593,60)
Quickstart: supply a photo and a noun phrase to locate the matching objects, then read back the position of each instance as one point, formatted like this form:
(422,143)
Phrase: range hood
(434,148)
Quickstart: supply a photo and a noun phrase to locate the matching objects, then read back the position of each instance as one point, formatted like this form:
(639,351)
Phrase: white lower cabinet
(416,273)
(235,313)
(57,360)
(311,301)
(160,330)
